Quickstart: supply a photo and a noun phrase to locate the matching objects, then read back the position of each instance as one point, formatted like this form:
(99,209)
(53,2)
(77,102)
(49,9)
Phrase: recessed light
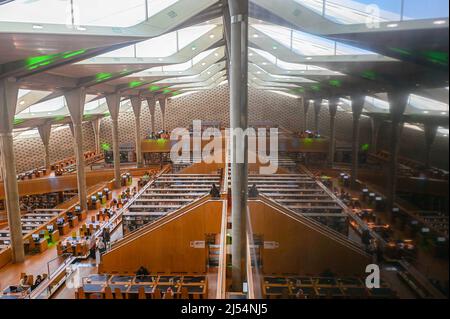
(194,48)
(203,63)
(22,102)
(438,22)
(209,72)
(426,112)
(392,25)
(216,54)
(160,59)
(444,113)
(445,135)
(275,47)
(264,63)
(80,28)
(259,72)
(256,35)
(308,58)
(212,36)
(37,26)
(250,54)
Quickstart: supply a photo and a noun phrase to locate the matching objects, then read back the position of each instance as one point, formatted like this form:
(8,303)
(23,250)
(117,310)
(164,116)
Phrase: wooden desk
(64,229)
(42,245)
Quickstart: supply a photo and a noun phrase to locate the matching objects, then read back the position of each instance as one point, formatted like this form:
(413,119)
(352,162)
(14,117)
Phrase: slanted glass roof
(420,104)
(47,106)
(306,44)
(83,12)
(375,11)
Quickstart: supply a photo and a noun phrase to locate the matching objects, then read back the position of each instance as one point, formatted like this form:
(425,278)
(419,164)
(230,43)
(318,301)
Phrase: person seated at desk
(101,245)
(38,281)
(142,271)
(253,192)
(215,193)
(23,283)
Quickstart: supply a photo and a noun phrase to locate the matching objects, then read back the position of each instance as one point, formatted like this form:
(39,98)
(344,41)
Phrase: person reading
(215,193)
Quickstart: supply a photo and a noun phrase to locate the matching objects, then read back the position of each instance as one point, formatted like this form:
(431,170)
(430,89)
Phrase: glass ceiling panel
(177,67)
(94,104)
(425,104)
(82,12)
(161,46)
(47,106)
(431,9)
(188,35)
(306,44)
(22,93)
(443,131)
(203,55)
(355,12)
(373,104)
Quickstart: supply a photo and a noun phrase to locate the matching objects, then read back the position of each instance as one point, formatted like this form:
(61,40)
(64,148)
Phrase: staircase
(165,195)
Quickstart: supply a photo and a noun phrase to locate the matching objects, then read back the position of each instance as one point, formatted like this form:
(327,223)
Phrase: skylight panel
(161,46)
(189,35)
(417,102)
(47,106)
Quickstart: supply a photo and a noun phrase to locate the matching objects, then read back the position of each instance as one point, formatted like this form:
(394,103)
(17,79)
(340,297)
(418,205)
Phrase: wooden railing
(316,226)
(145,229)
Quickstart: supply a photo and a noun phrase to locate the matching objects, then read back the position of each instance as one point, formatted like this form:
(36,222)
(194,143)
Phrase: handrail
(145,229)
(250,282)
(326,231)
(222,273)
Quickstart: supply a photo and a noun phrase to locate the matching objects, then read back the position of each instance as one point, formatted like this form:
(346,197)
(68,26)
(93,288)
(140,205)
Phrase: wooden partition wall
(177,245)
(292,246)
(51,184)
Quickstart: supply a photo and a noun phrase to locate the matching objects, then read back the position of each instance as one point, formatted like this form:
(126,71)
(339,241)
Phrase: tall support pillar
(75,103)
(430,136)
(96,127)
(332,107)
(357,107)
(375,124)
(239,146)
(397,104)
(113,102)
(305,113)
(44,132)
(151,102)
(8,100)
(317,108)
(136,103)
(162,106)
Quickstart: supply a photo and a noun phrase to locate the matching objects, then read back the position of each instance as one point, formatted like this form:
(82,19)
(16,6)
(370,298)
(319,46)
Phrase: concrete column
(45,131)
(75,103)
(317,107)
(375,124)
(430,136)
(96,127)
(357,107)
(136,103)
(239,120)
(8,100)
(151,102)
(332,107)
(397,103)
(113,102)
(305,113)
(162,106)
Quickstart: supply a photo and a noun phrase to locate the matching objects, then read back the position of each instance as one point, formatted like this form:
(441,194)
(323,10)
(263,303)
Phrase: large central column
(44,132)
(239,120)
(162,106)
(75,103)
(113,101)
(397,103)
(8,100)
(332,107)
(357,107)
(151,102)
(317,108)
(96,127)
(136,103)
(430,136)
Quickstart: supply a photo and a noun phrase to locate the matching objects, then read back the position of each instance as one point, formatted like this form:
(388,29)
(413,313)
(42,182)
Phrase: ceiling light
(209,72)
(80,28)
(308,58)
(275,47)
(259,72)
(444,113)
(216,54)
(255,35)
(438,22)
(426,112)
(194,48)
(212,36)
(160,59)
(392,25)
(264,63)
(203,63)
(22,102)
(250,54)
(37,26)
